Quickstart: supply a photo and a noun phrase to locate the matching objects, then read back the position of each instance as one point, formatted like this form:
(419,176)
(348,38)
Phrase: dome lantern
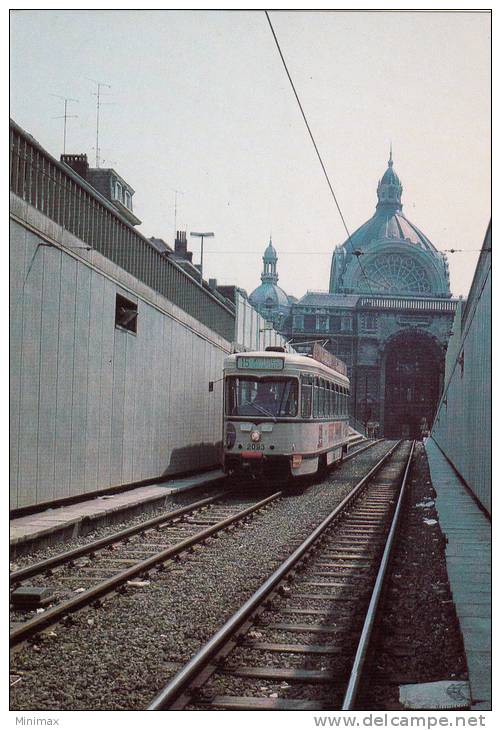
(270,259)
(389,189)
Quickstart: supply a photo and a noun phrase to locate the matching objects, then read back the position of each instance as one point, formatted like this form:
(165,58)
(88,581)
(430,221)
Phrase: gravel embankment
(119,656)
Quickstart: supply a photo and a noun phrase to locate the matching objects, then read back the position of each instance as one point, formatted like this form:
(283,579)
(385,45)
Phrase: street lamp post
(202,236)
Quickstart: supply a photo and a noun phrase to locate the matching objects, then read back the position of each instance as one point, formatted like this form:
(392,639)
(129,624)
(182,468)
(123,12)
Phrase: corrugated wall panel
(17,274)
(48,374)
(117,420)
(30,369)
(128,437)
(106,390)
(65,358)
(94,366)
(80,382)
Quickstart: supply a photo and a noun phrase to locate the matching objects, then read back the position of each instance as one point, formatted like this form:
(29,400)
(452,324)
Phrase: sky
(199,102)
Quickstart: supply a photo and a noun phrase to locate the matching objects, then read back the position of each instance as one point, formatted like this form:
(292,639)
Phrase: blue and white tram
(284,414)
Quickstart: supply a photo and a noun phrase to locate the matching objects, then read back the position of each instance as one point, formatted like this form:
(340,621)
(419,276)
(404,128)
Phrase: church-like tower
(269,299)
(270,259)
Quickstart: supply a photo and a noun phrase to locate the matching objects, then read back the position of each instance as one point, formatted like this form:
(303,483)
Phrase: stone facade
(388,315)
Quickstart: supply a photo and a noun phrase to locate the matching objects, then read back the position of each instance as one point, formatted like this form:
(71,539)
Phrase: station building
(388,315)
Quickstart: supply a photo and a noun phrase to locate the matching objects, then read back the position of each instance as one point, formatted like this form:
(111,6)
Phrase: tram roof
(290,360)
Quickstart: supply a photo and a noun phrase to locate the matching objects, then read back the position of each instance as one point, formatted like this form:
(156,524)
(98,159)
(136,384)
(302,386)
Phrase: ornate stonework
(388,315)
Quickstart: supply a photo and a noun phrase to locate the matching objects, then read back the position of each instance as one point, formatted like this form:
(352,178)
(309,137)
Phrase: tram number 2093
(255,447)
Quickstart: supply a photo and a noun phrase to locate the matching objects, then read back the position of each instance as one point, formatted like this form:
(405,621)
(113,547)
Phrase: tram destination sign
(260,363)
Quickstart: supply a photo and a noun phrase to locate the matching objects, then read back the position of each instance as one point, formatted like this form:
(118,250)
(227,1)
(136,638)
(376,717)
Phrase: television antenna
(65,116)
(99,104)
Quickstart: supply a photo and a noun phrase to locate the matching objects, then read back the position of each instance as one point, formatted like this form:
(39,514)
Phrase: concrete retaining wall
(462,427)
(94,405)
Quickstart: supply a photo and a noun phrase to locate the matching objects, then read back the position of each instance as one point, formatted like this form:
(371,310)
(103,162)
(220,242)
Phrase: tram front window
(267,397)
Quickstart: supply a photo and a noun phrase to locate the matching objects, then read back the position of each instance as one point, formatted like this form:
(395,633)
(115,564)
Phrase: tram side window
(321,397)
(315,398)
(306,388)
(332,394)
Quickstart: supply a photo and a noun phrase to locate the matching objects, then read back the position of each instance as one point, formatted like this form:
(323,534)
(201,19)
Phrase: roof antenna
(65,116)
(390,161)
(98,107)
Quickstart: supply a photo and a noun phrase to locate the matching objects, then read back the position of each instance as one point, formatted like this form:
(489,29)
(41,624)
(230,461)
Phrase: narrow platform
(468,556)
(68,519)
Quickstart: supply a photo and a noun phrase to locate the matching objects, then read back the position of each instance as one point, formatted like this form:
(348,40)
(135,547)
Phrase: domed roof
(268,294)
(268,297)
(390,233)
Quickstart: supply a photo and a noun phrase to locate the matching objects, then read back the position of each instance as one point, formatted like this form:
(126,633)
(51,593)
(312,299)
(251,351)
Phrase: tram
(285,415)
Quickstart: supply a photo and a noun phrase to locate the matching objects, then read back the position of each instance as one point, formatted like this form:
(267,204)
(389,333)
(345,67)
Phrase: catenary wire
(317,151)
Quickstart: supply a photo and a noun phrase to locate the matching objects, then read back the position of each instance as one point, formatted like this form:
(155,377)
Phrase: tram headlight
(230,436)
(255,436)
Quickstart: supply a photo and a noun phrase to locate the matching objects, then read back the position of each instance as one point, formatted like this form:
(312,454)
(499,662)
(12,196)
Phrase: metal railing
(63,196)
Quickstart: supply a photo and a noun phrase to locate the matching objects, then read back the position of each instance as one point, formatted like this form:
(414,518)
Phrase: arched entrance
(413,368)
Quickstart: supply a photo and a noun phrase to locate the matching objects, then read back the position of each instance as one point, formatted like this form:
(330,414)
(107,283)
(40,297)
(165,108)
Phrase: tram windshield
(268,397)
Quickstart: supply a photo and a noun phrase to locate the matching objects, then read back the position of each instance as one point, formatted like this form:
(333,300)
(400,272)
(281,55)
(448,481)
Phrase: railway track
(83,576)
(50,590)
(299,643)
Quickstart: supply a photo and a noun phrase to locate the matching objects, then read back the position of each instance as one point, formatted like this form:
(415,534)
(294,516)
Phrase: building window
(346,324)
(298,322)
(335,324)
(309,323)
(128,200)
(322,323)
(368,322)
(126,314)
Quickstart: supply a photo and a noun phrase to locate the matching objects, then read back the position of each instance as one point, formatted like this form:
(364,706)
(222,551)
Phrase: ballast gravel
(119,656)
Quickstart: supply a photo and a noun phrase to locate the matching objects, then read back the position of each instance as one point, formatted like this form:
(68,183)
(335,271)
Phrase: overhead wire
(354,252)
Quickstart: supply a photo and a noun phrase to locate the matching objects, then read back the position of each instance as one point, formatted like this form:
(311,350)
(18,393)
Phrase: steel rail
(53,615)
(181,681)
(19,575)
(365,637)
(352,454)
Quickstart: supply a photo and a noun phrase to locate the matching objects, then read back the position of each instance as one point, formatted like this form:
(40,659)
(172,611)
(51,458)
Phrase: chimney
(213,283)
(180,244)
(78,163)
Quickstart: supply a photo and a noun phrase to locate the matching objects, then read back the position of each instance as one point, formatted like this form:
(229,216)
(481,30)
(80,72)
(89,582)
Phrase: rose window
(394,274)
